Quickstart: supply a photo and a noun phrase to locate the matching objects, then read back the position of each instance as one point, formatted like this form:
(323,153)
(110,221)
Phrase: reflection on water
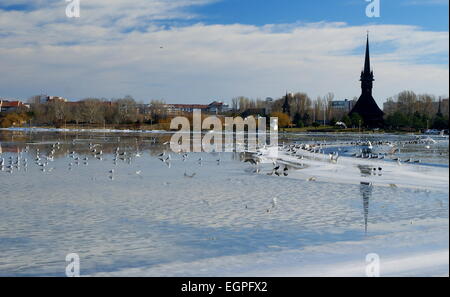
(366,192)
(121,202)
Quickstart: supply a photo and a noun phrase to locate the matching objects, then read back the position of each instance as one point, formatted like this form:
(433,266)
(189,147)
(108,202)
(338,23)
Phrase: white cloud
(42,51)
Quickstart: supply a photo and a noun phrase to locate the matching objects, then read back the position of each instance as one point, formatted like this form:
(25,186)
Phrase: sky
(198,51)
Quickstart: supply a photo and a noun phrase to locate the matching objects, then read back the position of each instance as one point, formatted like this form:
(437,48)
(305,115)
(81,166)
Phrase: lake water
(141,212)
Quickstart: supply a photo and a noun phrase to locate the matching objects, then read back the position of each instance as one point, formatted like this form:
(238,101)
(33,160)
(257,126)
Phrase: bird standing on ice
(274,202)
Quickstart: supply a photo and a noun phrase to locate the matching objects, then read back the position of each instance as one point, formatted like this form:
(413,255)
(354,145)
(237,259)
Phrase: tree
(306,119)
(397,120)
(59,112)
(440,122)
(283,119)
(328,99)
(13,119)
(298,121)
(418,121)
(128,111)
(92,111)
(347,120)
(357,120)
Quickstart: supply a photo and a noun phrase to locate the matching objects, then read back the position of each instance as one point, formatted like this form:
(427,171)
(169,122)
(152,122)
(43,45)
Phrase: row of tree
(304,111)
(13,119)
(403,111)
(408,110)
(90,111)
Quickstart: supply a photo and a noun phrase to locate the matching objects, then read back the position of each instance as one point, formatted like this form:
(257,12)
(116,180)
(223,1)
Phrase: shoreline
(160,131)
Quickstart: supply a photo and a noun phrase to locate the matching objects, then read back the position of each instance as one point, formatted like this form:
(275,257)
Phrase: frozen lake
(141,216)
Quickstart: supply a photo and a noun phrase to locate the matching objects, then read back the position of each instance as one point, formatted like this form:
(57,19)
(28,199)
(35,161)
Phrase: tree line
(405,111)
(410,111)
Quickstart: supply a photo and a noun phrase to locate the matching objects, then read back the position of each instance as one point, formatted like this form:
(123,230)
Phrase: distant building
(176,109)
(12,106)
(342,105)
(257,112)
(55,99)
(218,107)
(366,106)
(269,103)
(214,107)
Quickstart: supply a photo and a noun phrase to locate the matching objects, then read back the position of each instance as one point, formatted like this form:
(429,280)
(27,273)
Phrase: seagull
(251,161)
(274,202)
(189,176)
(166,160)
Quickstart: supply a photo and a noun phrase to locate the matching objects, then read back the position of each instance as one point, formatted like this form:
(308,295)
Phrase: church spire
(367,74)
(286,105)
(439,113)
(366,106)
(367,61)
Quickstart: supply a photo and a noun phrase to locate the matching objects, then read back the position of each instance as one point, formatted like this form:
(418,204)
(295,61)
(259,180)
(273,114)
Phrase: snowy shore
(355,171)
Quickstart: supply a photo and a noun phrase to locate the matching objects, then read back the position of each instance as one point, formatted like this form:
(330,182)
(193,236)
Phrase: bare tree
(91,111)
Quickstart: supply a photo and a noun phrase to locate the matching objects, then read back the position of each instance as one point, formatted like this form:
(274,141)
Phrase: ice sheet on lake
(351,170)
(221,222)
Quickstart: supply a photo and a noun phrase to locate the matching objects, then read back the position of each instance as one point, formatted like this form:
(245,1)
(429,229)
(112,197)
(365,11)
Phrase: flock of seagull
(333,151)
(298,150)
(365,151)
(44,160)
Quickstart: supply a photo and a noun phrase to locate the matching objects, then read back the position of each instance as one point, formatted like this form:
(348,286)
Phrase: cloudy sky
(196,51)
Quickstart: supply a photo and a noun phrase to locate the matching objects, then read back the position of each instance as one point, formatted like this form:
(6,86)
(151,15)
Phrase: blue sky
(429,14)
(202,50)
